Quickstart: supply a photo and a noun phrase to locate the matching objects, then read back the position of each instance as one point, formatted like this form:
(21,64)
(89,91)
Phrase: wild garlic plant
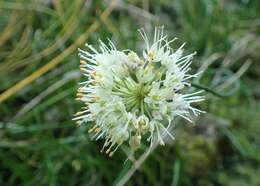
(130,98)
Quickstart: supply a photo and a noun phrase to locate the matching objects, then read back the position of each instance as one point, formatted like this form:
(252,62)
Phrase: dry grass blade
(10,28)
(69,76)
(236,76)
(67,30)
(11,91)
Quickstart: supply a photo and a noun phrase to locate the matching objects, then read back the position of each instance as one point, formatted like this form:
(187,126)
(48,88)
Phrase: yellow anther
(83,62)
(91,130)
(97,98)
(93,74)
(142,122)
(156,97)
(78,123)
(79,94)
(83,69)
(151,55)
(97,130)
(107,151)
(141,61)
(76,114)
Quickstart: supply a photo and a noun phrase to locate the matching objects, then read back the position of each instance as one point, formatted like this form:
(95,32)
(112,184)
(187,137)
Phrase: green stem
(202,87)
(142,106)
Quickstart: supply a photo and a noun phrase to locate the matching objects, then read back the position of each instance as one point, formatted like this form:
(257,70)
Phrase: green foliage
(40,145)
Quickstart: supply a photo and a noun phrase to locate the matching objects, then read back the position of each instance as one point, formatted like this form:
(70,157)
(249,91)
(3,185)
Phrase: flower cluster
(130,98)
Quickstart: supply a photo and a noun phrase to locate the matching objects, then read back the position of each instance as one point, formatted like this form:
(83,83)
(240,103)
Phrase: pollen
(151,55)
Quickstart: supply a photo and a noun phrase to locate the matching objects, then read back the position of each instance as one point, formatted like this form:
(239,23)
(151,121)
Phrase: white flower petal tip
(132,98)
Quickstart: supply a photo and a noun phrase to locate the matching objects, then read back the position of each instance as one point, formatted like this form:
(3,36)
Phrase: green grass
(40,145)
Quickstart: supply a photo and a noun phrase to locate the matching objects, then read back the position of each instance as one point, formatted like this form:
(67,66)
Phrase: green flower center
(132,93)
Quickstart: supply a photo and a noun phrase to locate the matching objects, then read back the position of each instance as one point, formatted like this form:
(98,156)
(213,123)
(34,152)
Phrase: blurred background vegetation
(40,145)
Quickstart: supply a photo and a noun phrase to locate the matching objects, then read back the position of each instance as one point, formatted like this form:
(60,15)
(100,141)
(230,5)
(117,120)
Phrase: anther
(83,62)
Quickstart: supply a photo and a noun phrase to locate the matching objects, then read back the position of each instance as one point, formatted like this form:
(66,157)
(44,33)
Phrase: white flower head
(130,98)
